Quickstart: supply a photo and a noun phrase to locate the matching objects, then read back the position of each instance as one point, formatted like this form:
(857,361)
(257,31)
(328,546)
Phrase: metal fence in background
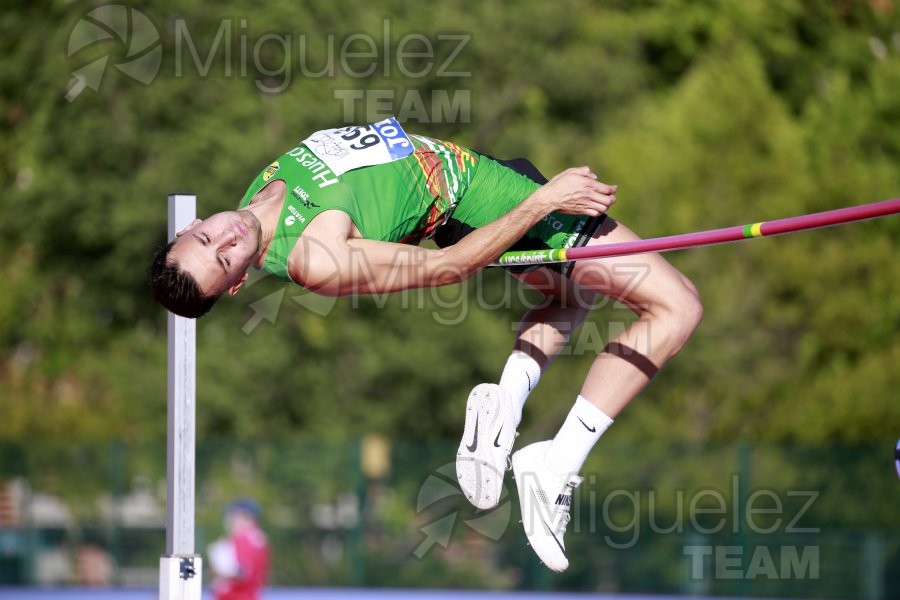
(649,518)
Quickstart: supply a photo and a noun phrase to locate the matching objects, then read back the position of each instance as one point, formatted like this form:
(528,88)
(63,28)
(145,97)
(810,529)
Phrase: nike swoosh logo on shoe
(497,439)
(591,429)
(475,437)
(553,535)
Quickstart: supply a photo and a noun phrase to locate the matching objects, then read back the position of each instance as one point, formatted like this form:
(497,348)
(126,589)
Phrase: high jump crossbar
(180,569)
(828,218)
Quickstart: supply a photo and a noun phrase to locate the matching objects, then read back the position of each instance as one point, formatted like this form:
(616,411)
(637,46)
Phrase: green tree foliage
(705,113)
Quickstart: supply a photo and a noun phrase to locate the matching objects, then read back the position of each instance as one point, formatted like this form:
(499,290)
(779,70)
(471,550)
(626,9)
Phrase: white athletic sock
(520,376)
(572,444)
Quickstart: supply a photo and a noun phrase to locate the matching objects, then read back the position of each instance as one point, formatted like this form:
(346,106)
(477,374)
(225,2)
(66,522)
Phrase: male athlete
(342,212)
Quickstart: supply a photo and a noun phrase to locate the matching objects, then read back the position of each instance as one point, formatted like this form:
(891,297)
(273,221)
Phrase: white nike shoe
(488,437)
(545,498)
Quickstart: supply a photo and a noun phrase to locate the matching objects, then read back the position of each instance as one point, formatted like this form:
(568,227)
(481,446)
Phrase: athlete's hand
(576,191)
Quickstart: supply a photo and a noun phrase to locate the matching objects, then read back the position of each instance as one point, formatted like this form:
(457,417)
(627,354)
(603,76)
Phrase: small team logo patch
(302,197)
(270,170)
(294,217)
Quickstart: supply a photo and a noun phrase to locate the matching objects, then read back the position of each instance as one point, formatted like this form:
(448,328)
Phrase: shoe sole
(554,562)
(479,478)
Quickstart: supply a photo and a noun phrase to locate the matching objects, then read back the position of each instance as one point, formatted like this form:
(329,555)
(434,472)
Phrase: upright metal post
(180,569)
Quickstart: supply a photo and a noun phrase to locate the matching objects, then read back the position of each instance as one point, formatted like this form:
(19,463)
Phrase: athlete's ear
(189,227)
(234,289)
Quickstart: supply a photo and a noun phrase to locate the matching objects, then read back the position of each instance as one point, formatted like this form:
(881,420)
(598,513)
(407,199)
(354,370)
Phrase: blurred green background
(706,113)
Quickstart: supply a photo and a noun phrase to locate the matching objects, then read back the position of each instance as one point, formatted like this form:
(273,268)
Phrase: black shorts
(554,231)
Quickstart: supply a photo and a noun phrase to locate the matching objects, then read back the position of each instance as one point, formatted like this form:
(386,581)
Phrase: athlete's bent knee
(687,309)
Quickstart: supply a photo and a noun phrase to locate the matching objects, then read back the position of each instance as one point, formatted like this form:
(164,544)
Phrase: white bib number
(358,146)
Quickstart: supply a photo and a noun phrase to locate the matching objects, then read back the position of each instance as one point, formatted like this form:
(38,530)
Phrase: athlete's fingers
(591,209)
(606,200)
(605,188)
(583,169)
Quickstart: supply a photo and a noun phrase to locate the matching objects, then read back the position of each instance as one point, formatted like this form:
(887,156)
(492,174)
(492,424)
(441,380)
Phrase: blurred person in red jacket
(240,562)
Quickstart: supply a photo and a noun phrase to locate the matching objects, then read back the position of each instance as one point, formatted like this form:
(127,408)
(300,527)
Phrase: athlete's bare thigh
(639,281)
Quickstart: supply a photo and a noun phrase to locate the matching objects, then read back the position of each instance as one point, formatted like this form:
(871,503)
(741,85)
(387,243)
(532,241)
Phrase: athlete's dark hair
(176,289)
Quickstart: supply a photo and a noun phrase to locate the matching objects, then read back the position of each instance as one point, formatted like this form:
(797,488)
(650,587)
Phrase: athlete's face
(218,250)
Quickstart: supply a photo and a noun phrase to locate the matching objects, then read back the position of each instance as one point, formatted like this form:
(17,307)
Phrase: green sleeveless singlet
(440,190)
(400,201)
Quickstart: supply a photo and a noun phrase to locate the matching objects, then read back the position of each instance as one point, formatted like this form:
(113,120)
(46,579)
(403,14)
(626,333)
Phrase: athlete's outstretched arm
(338,267)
